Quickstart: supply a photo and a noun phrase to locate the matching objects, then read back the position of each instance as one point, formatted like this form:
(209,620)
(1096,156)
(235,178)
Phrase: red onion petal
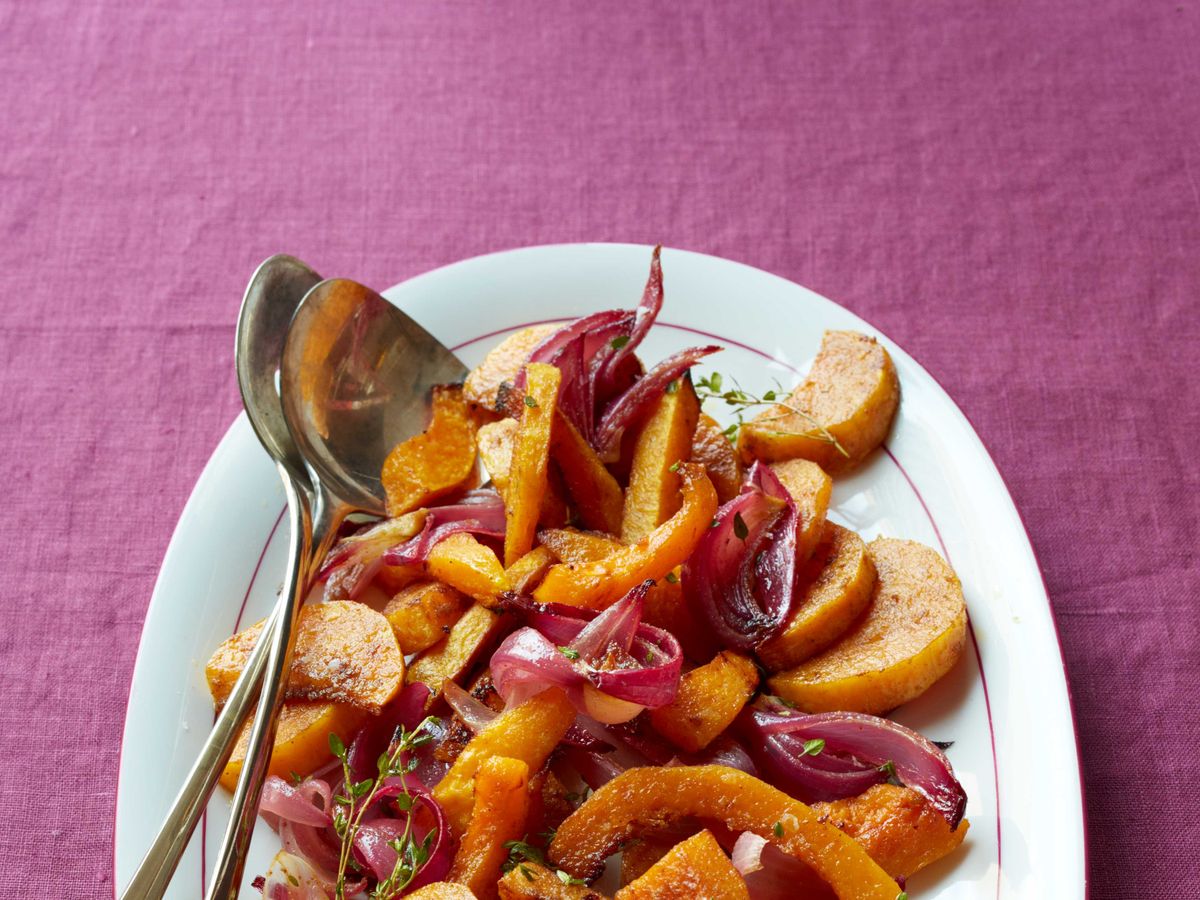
(918,762)
(475,715)
(629,407)
(296,803)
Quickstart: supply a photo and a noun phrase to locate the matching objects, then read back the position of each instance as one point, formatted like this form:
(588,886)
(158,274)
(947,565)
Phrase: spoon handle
(155,870)
(311,535)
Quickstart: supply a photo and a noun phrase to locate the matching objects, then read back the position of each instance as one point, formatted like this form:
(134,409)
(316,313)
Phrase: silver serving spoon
(271,299)
(355,381)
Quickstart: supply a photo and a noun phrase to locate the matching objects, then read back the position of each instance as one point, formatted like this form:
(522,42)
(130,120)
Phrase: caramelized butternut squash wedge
(529,477)
(597,495)
(648,796)
(301,738)
(451,658)
(528,732)
(529,881)
(345,652)
(667,608)
(697,867)
(468,566)
(664,441)
(599,584)
(836,585)
(496,441)
(435,463)
(851,394)
(810,488)
(896,826)
(911,634)
(527,572)
(442,890)
(502,364)
(570,545)
(422,613)
(501,806)
(709,699)
(719,457)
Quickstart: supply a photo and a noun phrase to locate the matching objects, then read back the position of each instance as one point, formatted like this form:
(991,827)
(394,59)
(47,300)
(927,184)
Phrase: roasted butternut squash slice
(697,867)
(850,396)
(709,699)
(468,566)
(451,658)
(528,571)
(664,441)
(442,890)
(911,634)
(301,738)
(599,584)
(436,462)
(836,585)
(529,478)
(530,881)
(570,545)
(811,489)
(528,732)
(501,806)
(502,364)
(345,652)
(719,457)
(597,495)
(496,441)
(649,796)
(422,613)
(898,827)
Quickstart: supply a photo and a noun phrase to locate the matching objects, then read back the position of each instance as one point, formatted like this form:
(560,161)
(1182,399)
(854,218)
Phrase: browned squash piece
(836,587)
(527,572)
(345,652)
(442,890)
(301,738)
(469,638)
(393,579)
(495,450)
(422,613)
(435,463)
(528,477)
(851,395)
(528,732)
(664,441)
(650,796)
(599,584)
(709,699)
(529,881)
(501,806)
(719,457)
(698,867)
(666,608)
(911,634)
(898,827)
(597,495)
(810,488)
(639,855)
(570,545)
(468,566)
(502,364)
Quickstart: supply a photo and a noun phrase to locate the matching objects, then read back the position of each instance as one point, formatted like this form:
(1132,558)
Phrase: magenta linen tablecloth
(1010,190)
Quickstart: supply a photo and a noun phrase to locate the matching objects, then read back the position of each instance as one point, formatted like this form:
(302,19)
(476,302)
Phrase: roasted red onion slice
(859,751)
(372,849)
(633,403)
(611,667)
(474,714)
(647,312)
(742,575)
(479,512)
(290,877)
(356,559)
(771,874)
(406,710)
(307,803)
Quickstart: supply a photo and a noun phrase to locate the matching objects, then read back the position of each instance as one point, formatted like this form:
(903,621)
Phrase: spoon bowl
(355,381)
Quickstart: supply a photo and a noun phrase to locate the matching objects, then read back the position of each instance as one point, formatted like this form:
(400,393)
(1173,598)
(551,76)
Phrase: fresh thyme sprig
(712,387)
(350,806)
